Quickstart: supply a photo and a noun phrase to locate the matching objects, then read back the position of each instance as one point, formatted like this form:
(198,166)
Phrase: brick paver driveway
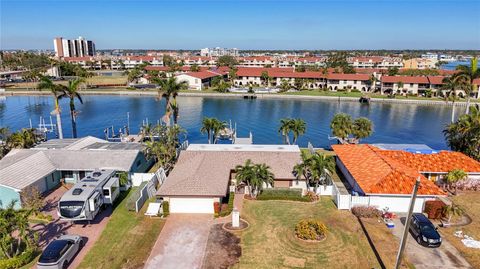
(182,242)
(91,230)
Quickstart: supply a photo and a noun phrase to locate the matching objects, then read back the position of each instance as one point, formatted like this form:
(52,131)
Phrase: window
(106,192)
(67,174)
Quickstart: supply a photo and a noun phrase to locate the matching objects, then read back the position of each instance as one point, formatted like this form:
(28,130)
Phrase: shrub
(311,196)
(216,207)
(18,261)
(366,212)
(166,209)
(283,194)
(225,212)
(310,229)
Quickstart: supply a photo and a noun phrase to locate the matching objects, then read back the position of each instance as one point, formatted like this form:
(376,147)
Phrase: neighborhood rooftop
(204,170)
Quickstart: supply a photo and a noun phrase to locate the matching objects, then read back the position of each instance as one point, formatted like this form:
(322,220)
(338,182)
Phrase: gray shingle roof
(206,173)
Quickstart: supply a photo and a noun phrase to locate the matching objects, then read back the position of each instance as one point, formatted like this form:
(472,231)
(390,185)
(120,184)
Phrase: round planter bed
(243,225)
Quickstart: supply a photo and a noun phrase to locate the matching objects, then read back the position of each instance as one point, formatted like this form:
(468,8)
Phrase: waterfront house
(205,173)
(384,176)
(338,81)
(67,160)
(200,80)
(404,84)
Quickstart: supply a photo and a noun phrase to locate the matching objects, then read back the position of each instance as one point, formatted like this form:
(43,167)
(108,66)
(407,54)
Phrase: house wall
(7,195)
(349,177)
(193,83)
(398,203)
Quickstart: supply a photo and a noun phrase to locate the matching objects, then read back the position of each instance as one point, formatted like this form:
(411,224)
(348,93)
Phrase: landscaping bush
(225,212)
(18,261)
(311,196)
(310,229)
(216,207)
(283,194)
(166,209)
(366,212)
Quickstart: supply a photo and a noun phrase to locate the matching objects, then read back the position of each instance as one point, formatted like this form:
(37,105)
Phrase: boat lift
(44,128)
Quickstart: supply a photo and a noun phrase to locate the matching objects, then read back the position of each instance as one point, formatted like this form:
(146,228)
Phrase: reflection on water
(393,123)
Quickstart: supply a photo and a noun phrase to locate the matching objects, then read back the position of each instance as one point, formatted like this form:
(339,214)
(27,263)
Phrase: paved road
(182,242)
(446,256)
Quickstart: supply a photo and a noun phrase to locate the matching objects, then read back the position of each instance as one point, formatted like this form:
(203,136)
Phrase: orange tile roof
(379,174)
(442,162)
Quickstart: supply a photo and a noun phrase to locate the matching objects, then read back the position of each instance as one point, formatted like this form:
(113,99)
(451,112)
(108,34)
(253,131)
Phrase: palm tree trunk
(453,111)
(59,119)
(468,105)
(73,118)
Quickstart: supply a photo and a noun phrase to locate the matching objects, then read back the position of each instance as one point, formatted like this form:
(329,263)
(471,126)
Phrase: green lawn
(270,241)
(126,241)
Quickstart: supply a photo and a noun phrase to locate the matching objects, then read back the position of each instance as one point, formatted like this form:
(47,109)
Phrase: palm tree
(256,176)
(315,168)
(23,139)
(450,86)
(285,128)
(169,89)
(400,86)
(47,84)
(455,176)
(265,78)
(452,210)
(71,91)
(362,128)
(217,127)
(284,85)
(207,127)
(463,135)
(341,126)
(298,127)
(467,74)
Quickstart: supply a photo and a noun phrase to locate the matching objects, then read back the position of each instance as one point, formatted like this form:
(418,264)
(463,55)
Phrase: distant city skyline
(246,25)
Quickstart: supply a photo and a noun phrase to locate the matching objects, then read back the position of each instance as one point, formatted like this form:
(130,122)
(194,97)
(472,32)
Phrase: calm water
(453,65)
(393,123)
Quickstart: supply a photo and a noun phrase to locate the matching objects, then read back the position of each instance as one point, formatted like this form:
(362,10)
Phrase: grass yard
(102,80)
(386,244)
(470,201)
(126,241)
(270,241)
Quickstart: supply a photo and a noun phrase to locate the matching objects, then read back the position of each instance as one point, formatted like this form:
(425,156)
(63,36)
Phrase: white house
(199,80)
(385,177)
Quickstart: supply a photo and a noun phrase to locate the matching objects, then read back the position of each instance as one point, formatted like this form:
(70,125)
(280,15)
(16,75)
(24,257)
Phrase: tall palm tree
(207,126)
(256,176)
(362,128)
(47,84)
(315,168)
(464,134)
(450,86)
(244,173)
(298,127)
(218,126)
(265,78)
(169,89)
(264,176)
(285,128)
(72,92)
(341,126)
(467,74)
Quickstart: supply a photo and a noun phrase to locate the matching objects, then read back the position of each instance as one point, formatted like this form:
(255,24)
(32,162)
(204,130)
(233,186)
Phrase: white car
(60,252)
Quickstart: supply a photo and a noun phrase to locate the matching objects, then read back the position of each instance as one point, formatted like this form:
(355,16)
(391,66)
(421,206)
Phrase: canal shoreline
(240,95)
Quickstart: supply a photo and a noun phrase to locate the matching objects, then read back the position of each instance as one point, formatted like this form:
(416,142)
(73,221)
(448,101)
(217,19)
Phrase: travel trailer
(85,199)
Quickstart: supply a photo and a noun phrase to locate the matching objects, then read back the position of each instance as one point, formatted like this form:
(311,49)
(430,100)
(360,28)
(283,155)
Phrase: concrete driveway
(182,242)
(446,256)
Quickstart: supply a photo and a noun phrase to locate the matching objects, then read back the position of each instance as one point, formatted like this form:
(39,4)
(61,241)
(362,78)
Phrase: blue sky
(243,24)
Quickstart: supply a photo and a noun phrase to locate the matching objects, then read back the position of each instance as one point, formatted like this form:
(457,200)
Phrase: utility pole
(407,224)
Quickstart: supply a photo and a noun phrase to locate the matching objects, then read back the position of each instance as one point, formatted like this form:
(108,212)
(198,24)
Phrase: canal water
(393,123)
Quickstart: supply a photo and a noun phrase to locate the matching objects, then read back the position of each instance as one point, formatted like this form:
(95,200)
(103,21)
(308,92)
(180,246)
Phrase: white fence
(149,189)
(341,200)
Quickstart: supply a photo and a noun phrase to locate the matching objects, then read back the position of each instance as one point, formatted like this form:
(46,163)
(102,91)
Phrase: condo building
(73,47)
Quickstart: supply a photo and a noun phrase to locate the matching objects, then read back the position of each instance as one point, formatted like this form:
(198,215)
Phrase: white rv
(85,199)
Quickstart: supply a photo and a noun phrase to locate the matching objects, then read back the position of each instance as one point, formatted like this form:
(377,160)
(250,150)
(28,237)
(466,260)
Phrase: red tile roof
(442,162)
(379,174)
(340,76)
(405,79)
(436,80)
(203,74)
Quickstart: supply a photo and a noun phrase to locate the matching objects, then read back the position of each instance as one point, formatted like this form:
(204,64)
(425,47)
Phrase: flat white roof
(237,147)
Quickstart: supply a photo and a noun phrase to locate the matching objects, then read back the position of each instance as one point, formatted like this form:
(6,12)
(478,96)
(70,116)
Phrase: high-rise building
(73,47)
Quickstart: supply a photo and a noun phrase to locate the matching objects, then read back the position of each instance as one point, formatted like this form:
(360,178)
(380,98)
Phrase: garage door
(191,205)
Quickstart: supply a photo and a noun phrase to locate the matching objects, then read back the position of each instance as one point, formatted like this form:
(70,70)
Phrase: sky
(142,24)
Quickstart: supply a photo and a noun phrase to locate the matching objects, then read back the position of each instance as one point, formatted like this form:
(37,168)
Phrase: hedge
(18,261)
(230,205)
(166,208)
(283,194)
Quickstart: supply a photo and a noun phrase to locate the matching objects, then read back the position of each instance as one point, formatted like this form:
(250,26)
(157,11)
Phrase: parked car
(424,231)
(60,252)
